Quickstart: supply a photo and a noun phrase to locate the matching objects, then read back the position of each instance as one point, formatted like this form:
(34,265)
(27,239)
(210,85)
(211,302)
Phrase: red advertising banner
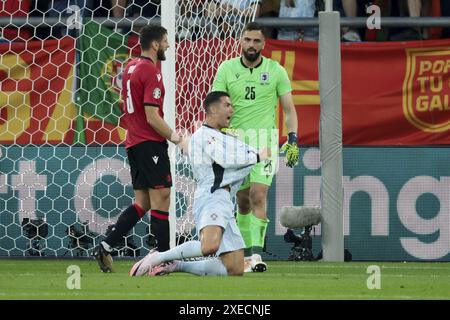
(394,93)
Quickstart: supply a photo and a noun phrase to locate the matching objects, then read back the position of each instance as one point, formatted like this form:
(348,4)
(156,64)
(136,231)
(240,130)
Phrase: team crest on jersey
(264,78)
(158,76)
(237,76)
(157,93)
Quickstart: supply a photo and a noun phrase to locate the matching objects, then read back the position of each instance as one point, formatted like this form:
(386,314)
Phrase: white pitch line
(303,275)
(318,266)
(216,295)
(362,274)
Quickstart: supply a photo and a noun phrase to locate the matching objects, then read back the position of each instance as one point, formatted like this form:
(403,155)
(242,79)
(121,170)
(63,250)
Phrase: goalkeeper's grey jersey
(219,160)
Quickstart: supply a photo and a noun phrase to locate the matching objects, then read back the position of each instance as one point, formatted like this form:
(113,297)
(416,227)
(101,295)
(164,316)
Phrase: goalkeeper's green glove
(230,131)
(291,149)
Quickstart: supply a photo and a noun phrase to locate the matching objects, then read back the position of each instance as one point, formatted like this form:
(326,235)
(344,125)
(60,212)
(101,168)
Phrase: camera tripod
(302,249)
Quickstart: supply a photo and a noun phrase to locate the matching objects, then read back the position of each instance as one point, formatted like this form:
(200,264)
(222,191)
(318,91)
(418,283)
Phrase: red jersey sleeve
(153,89)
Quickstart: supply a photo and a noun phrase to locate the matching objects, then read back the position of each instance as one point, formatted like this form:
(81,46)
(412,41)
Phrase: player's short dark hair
(151,33)
(253,26)
(212,98)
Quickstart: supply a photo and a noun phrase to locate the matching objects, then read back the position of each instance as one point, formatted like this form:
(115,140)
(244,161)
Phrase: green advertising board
(396,200)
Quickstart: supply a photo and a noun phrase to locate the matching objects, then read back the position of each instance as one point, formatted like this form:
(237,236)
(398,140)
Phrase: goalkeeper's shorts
(217,209)
(262,172)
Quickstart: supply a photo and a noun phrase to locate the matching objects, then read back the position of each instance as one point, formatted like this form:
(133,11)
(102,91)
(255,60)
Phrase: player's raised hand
(292,150)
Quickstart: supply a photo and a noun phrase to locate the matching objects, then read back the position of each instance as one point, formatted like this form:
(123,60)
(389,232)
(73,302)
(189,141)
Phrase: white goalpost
(168,21)
(330,136)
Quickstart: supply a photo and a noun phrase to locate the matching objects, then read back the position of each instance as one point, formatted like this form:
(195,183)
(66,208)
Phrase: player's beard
(161,55)
(252,57)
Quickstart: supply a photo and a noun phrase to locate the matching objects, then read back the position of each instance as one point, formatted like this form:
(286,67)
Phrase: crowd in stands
(357,8)
(218,11)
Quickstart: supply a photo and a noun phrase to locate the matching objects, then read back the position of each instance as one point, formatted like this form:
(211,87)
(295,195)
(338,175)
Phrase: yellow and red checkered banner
(36,86)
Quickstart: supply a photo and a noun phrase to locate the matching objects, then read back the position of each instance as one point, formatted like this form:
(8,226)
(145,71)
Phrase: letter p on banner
(74,280)
(374,280)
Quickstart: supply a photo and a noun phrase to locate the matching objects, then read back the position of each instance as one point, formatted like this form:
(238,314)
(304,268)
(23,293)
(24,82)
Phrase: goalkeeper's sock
(209,267)
(244,222)
(257,250)
(189,249)
(159,224)
(258,228)
(248,252)
(127,220)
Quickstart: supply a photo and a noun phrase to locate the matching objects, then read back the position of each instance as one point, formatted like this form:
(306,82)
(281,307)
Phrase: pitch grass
(46,279)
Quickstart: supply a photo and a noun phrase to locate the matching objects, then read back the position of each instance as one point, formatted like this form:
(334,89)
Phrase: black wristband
(257,158)
(292,138)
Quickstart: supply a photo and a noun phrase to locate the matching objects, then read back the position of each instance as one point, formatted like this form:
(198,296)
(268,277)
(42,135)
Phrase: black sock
(127,220)
(159,224)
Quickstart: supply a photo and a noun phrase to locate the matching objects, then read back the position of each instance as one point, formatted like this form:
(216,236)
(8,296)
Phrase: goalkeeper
(220,163)
(254,84)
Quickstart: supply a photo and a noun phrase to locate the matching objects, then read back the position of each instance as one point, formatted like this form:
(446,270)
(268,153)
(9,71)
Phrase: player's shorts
(150,165)
(262,172)
(217,209)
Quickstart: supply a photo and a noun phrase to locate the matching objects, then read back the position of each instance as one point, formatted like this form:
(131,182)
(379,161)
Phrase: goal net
(205,41)
(64,177)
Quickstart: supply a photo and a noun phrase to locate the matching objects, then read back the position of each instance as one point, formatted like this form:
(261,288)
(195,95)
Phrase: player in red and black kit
(146,145)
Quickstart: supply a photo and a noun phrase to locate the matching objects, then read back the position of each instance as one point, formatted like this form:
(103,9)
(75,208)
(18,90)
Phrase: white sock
(189,249)
(209,267)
